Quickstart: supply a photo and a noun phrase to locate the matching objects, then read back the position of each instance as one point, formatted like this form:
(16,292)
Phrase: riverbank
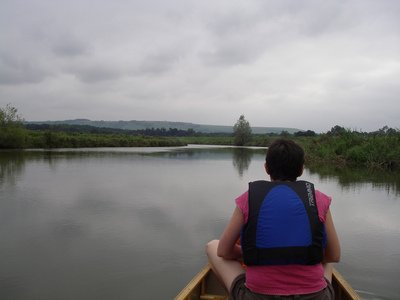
(348,149)
(54,139)
(376,151)
(353,149)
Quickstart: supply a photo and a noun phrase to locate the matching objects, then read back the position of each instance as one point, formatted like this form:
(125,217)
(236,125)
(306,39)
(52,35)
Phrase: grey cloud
(70,47)
(227,56)
(236,38)
(161,59)
(236,22)
(157,64)
(244,34)
(93,72)
(16,71)
(233,50)
(96,74)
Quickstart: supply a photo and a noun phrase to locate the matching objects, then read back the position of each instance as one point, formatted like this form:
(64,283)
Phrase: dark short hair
(284,160)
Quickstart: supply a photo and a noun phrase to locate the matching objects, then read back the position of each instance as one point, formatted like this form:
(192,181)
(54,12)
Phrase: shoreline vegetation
(379,150)
(339,147)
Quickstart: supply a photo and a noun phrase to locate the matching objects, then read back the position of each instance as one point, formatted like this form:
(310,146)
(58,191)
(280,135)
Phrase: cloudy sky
(306,64)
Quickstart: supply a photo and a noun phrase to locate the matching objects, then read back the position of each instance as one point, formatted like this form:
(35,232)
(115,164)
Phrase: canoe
(205,286)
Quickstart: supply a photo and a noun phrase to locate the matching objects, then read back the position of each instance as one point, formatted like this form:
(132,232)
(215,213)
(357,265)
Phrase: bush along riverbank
(379,151)
(348,148)
(354,149)
(49,139)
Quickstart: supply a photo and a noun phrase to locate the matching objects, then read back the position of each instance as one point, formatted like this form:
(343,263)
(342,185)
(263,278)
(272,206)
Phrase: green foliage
(106,130)
(12,133)
(51,139)
(148,125)
(242,132)
(339,146)
(9,116)
(208,140)
(337,131)
(354,148)
(305,133)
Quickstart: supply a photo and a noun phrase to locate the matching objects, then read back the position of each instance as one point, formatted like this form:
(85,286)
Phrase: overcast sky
(303,64)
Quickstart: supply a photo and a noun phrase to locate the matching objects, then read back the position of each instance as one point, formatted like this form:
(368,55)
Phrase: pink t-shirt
(286,279)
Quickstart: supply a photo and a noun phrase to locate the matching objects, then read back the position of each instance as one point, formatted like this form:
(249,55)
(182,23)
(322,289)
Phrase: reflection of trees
(11,166)
(241,159)
(12,163)
(351,177)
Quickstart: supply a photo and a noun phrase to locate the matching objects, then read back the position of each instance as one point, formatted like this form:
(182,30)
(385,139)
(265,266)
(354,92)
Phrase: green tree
(305,133)
(337,131)
(12,132)
(242,132)
(284,133)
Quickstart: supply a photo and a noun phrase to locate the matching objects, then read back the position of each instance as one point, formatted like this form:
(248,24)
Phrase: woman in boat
(288,239)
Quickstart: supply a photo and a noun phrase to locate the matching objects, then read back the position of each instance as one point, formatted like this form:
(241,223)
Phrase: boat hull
(206,286)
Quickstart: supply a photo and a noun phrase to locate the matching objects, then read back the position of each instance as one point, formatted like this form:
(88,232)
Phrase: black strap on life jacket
(304,255)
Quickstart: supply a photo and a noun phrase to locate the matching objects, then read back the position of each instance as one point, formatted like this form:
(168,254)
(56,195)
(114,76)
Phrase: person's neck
(280,180)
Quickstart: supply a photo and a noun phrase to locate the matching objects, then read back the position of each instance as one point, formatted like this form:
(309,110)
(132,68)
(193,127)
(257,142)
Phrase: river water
(131,223)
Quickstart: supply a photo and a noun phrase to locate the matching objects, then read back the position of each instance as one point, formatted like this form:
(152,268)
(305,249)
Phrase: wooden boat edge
(197,280)
(343,289)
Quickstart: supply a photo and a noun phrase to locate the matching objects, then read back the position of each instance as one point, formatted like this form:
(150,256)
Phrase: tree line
(339,146)
(106,130)
(15,135)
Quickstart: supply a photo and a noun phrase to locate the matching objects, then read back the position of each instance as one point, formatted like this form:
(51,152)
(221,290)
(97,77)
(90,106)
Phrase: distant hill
(141,125)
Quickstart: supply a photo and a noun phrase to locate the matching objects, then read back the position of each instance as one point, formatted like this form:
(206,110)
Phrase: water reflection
(351,177)
(12,163)
(11,166)
(101,224)
(241,159)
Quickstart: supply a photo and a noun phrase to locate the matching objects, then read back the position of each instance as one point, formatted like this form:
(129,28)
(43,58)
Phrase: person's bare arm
(227,247)
(332,250)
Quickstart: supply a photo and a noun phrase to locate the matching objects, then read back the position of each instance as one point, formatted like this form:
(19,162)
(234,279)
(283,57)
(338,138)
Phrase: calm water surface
(132,223)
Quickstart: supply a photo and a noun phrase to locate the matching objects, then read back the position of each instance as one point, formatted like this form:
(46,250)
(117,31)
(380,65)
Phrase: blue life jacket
(283,226)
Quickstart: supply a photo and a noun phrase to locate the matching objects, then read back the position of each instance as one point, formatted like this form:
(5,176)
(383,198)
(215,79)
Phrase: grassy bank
(207,140)
(380,150)
(50,139)
(350,149)
(354,149)
(256,141)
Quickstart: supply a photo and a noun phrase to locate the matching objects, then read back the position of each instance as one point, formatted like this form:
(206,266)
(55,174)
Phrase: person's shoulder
(242,199)
(322,196)
(323,203)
